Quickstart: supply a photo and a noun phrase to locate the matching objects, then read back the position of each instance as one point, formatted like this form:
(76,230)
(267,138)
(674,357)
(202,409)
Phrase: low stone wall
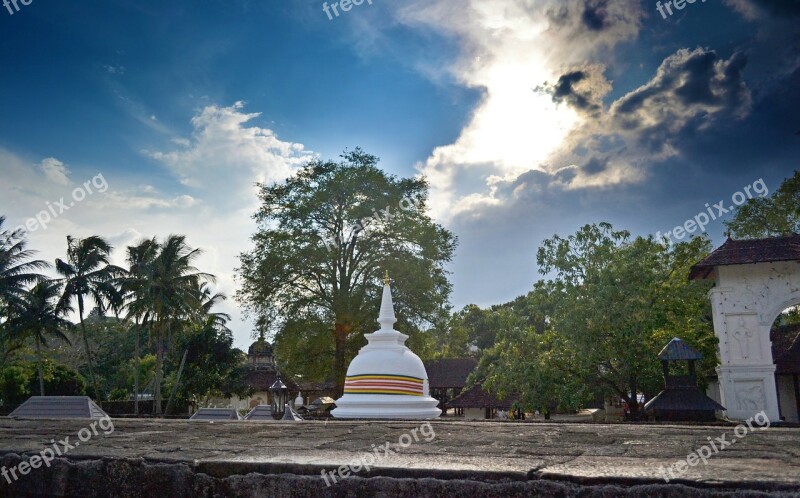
(136,478)
(147,457)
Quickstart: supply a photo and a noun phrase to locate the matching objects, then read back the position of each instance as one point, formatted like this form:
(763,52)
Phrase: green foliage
(323,244)
(19,381)
(118,394)
(778,214)
(596,328)
(213,366)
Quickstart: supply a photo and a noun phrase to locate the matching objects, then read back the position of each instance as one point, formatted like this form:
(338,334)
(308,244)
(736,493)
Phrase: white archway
(746,301)
(755,281)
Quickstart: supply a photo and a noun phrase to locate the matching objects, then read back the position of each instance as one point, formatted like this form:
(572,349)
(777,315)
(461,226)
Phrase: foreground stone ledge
(182,458)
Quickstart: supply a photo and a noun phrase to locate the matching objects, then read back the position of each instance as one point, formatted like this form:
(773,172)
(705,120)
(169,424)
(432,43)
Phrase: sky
(529,118)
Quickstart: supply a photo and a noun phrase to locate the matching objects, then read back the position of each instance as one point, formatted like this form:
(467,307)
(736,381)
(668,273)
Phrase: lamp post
(280,397)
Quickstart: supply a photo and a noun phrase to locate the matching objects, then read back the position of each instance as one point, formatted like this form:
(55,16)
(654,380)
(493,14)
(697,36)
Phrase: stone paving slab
(483,451)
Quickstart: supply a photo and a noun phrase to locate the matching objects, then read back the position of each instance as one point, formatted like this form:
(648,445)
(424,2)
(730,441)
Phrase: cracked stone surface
(491,453)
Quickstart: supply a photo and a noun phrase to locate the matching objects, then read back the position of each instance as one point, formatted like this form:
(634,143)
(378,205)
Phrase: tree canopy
(777,214)
(325,238)
(596,328)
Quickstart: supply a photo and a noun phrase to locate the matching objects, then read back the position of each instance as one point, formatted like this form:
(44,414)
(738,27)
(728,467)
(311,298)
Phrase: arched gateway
(755,280)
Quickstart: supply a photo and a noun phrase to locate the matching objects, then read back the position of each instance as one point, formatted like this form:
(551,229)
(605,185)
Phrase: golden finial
(386,278)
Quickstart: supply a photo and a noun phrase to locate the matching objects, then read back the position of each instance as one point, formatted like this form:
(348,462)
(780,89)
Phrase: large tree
(596,328)
(777,214)
(326,237)
(39,314)
(87,273)
(18,270)
(619,302)
(168,291)
(140,259)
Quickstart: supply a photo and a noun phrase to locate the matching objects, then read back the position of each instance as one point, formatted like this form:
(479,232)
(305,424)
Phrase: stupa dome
(261,347)
(386,379)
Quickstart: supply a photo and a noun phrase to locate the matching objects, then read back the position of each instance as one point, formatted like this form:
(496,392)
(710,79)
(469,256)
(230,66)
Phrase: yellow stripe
(387,377)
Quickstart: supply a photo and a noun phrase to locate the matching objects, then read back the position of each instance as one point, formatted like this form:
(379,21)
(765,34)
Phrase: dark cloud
(595,14)
(585,25)
(690,90)
(581,89)
(595,165)
(564,91)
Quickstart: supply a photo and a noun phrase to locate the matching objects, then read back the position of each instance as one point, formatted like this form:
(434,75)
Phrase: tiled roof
(476,397)
(216,414)
(449,372)
(786,349)
(689,399)
(678,350)
(743,252)
(59,407)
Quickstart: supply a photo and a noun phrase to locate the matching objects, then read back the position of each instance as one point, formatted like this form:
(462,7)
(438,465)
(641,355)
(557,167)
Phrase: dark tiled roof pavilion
(476,397)
(744,252)
(449,372)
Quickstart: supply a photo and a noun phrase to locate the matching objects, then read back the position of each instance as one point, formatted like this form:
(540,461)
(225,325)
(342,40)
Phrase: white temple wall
(746,301)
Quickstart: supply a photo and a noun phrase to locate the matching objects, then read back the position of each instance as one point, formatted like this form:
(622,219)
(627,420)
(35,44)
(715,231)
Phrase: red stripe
(387,384)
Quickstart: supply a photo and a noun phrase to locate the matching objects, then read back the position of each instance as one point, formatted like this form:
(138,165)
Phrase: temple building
(386,379)
(475,403)
(448,378)
(261,374)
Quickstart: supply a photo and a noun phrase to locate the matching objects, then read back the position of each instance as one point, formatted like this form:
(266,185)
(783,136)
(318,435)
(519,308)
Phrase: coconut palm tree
(169,293)
(140,260)
(17,271)
(39,313)
(87,273)
(219,321)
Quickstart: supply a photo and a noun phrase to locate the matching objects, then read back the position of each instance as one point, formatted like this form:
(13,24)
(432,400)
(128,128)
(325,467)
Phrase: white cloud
(508,48)
(225,156)
(212,205)
(55,171)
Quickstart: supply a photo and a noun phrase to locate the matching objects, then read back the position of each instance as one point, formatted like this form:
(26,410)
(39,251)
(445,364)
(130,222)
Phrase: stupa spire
(386,317)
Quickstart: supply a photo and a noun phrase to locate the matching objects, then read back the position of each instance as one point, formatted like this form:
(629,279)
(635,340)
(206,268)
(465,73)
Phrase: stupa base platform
(368,406)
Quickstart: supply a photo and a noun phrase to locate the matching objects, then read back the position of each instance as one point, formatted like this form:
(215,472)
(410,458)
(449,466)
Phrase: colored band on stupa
(383,384)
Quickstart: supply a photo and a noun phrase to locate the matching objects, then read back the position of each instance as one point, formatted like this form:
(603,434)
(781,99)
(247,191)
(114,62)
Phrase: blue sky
(528,117)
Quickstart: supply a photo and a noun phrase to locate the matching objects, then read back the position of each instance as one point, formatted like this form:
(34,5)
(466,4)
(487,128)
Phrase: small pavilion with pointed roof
(681,400)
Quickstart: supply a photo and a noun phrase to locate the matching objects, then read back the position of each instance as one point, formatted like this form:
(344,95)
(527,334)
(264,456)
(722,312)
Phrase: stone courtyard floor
(494,458)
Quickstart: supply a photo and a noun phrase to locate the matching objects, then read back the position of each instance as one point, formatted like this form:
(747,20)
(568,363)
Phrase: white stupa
(386,379)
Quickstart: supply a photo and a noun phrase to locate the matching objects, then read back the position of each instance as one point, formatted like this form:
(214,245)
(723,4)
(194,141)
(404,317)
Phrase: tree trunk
(136,373)
(340,332)
(633,404)
(39,366)
(177,381)
(97,394)
(159,361)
